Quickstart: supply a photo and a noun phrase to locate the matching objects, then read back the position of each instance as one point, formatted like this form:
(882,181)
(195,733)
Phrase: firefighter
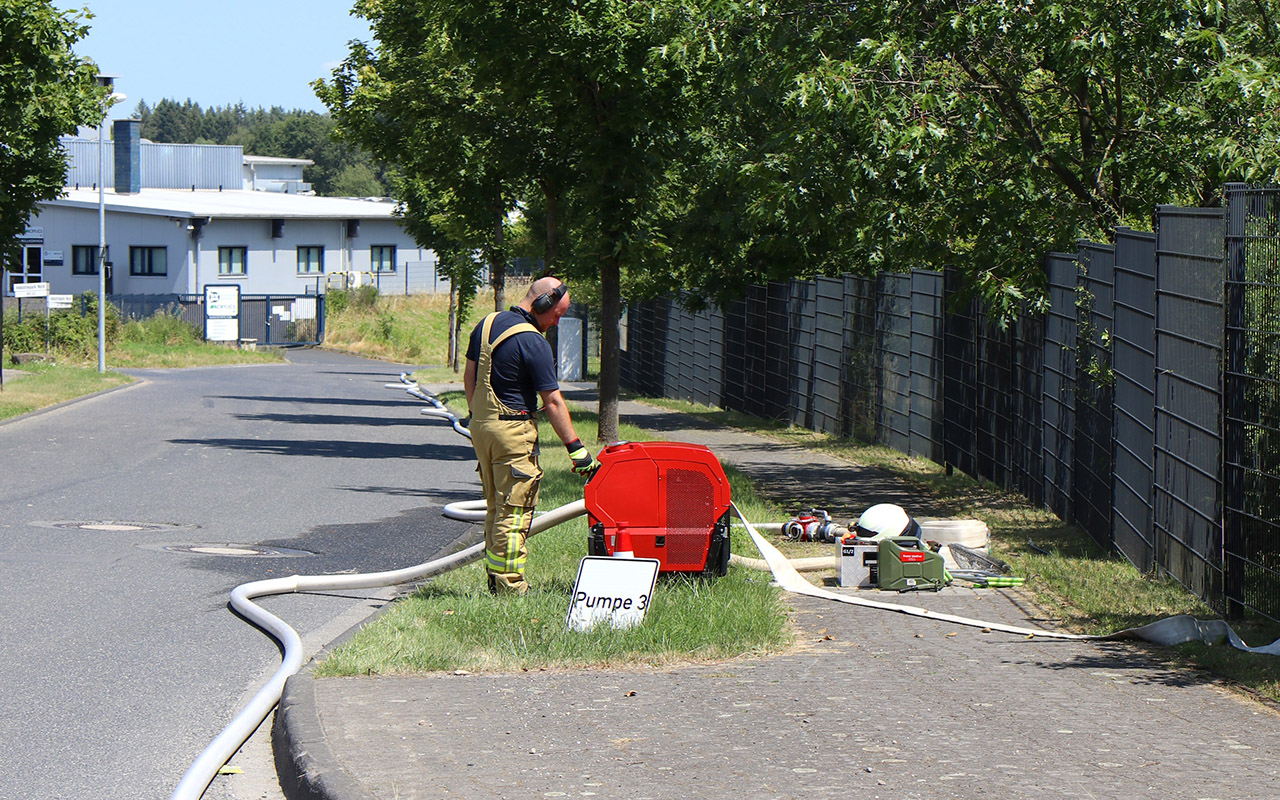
(510,365)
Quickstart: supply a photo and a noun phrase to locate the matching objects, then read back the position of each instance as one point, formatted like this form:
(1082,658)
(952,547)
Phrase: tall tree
(566,105)
(413,103)
(46,91)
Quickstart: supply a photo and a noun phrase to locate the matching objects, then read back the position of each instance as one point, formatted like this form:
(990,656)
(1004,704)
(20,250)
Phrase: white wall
(272,265)
(67,227)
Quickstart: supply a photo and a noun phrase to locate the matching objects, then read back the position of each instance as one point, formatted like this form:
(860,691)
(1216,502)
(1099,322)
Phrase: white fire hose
(1170,631)
(203,770)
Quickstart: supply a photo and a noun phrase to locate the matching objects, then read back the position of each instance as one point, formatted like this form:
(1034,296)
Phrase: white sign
(31,290)
(222,329)
(53,258)
(304,308)
(222,301)
(59,300)
(615,589)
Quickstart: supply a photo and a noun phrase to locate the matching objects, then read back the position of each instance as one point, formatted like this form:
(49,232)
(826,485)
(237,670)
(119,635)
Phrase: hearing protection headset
(548,300)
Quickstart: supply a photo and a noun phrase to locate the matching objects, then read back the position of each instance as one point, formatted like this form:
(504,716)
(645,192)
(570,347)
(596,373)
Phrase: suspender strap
(489,406)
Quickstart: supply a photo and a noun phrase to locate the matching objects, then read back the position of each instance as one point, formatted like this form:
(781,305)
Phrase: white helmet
(885,521)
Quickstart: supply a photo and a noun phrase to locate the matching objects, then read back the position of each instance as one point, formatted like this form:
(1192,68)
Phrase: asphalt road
(121,660)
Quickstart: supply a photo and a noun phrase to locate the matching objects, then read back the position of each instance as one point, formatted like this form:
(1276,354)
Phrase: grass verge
(409,330)
(1069,576)
(38,386)
(453,623)
(136,355)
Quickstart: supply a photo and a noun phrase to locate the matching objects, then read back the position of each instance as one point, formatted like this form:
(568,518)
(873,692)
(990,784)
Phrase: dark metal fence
(1059,394)
(1251,480)
(1133,360)
(1095,390)
(269,320)
(1143,405)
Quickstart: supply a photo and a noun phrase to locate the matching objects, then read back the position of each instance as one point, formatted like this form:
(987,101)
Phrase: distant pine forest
(339,171)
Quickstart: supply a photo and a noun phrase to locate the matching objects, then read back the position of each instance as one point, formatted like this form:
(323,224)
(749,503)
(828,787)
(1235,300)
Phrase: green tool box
(906,564)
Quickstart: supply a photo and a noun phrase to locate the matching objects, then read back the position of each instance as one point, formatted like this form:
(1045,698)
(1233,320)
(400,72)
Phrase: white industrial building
(179,217)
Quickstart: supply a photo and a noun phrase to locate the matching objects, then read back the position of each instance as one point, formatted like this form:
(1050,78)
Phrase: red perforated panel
(668,494)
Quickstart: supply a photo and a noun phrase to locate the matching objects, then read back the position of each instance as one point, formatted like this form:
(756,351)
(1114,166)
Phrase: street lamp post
(106,81)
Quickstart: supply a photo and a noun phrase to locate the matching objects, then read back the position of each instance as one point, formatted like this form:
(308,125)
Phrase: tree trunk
(552,254)
(610,366)
(453,326)
(498,263)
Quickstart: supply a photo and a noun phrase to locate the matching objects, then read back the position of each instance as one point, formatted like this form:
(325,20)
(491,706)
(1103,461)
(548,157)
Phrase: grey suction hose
(203,770)
(438,409)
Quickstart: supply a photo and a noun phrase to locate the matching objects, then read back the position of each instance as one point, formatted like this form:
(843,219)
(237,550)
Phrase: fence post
(1233,400)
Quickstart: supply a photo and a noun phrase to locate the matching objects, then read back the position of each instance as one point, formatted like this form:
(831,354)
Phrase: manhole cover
(112,526)
(224,551)
(229,550)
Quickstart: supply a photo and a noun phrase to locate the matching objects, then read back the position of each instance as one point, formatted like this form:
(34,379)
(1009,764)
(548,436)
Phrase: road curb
(305,764)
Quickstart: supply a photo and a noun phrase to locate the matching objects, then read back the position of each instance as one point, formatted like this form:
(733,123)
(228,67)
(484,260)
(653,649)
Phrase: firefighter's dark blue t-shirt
(522,365)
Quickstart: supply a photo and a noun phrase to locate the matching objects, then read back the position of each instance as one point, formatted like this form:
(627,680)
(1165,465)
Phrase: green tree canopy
(975,135)
(711,144)
(46,91)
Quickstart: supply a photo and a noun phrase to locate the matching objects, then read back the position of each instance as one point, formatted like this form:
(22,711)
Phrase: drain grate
(113,526)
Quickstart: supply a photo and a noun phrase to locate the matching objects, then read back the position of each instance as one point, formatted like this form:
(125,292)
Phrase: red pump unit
(672,498)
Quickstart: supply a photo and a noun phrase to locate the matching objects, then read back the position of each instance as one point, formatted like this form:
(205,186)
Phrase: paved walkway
(871,704)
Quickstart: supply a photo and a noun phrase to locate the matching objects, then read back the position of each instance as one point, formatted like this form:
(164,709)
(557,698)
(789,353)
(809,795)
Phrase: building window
(382,258)
(231,261)
(84,259)
(148,261)
(310,259)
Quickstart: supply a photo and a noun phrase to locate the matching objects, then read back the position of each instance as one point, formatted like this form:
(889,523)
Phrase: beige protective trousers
(506,444)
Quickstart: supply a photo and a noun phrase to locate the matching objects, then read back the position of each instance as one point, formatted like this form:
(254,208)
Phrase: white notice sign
(221,313)
(31,290)
(222,330)
(222,301)
(59,301)
(615,589)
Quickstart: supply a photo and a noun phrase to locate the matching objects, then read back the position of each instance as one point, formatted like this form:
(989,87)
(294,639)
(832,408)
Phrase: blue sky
(218,53)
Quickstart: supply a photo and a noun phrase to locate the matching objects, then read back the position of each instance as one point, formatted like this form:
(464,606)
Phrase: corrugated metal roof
(229,205)
(163,166)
